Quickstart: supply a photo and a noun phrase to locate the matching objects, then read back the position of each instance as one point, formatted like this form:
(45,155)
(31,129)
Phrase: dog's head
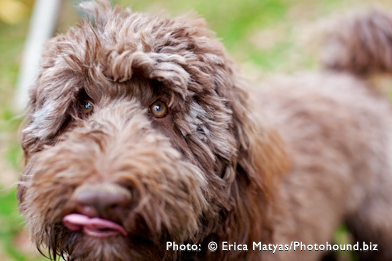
(140,132)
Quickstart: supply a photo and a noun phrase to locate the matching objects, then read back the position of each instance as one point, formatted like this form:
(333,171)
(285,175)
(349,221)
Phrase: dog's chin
(82,246)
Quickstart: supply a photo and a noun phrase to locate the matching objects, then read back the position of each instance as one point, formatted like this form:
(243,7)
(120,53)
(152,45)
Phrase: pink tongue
(94,227)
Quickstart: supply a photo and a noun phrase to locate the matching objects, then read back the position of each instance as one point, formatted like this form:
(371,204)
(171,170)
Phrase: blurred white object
(42,25)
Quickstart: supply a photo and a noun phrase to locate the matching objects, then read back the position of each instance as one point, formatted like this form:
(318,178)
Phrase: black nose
(108,200)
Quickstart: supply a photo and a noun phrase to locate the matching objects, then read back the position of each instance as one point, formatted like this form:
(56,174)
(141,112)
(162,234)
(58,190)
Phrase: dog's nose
(102,200)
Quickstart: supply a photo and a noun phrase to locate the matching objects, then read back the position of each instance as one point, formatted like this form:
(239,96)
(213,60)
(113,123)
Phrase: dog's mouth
(93,227)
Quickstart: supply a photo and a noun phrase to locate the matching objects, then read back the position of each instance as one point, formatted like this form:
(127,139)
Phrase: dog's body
(141,132)
(337,131)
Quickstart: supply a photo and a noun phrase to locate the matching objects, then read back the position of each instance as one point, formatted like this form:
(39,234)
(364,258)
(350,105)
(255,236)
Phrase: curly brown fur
(197,174)
(211,169)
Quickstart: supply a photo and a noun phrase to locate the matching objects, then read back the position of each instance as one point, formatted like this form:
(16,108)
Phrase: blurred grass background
(264,36)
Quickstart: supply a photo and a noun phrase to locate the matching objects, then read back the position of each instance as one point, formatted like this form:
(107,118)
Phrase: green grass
(11,223)
(260,34)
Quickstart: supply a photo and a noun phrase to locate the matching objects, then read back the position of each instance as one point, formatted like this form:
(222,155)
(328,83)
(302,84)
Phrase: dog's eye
(87,107)
(158,109)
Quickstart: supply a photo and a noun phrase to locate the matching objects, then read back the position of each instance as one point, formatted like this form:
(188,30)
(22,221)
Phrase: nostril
(102,200)
(115,207)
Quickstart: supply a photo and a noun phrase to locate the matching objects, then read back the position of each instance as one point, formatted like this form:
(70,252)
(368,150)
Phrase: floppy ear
(260,164)
(255,176)
(262,157)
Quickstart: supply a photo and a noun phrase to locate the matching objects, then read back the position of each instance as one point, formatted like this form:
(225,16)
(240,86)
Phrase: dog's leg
(372,227)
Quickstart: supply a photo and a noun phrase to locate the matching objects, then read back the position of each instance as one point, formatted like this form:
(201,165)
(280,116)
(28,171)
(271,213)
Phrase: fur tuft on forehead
(179,55)
(179,52)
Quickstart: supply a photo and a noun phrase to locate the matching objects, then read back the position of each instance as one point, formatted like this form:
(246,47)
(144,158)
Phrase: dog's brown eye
(87,107)
(158,109)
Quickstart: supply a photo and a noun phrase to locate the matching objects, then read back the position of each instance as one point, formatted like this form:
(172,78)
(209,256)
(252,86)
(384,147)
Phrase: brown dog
(142,139)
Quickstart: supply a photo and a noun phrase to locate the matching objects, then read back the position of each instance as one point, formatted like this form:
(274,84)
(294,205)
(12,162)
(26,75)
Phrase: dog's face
(139,133)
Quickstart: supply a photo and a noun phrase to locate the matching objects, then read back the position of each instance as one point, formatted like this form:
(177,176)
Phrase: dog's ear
(261,157)
(261,162)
